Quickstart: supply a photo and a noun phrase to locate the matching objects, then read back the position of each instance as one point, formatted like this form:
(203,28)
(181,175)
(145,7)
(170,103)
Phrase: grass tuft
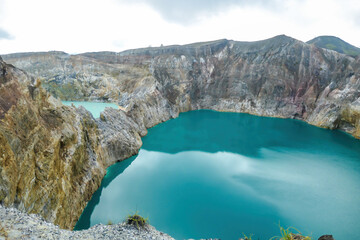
(137,221)
(287,234)
(247,237)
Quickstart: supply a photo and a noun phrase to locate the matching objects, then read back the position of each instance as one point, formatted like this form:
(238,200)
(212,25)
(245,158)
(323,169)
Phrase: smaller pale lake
(94,107)
(212,174)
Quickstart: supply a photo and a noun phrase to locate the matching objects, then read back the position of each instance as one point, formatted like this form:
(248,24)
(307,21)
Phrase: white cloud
(4,34)
(187,11)
(112,25)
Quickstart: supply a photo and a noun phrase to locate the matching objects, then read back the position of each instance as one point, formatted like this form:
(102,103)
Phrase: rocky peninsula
(54,156)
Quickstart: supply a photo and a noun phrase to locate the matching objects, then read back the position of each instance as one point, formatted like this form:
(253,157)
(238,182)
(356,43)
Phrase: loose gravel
(17,225)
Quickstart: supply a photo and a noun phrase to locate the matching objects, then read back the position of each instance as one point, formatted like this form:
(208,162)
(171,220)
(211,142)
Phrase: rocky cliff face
(53,157)
(278,77)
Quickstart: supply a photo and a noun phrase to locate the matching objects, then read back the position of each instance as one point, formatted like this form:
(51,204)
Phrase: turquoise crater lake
(94,107)
(213,174)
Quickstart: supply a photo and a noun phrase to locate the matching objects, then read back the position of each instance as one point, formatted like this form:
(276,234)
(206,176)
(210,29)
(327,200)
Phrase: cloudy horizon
(117,25)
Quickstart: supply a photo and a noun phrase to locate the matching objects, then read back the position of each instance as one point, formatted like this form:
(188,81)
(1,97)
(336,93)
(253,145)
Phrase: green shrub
(137,221)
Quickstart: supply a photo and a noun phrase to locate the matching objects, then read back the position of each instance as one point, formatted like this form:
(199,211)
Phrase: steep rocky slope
(53,157)
(279,77)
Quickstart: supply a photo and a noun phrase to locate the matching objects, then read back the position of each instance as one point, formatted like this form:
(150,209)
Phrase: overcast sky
(76,26)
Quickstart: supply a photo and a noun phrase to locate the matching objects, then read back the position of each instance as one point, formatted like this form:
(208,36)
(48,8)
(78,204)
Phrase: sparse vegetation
(137,221)
(330,46)
(109,222)
(336,44)
(287,234)
(248,237)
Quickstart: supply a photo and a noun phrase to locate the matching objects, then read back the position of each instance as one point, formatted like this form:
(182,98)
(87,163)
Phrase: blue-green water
(210,174)
(94,107)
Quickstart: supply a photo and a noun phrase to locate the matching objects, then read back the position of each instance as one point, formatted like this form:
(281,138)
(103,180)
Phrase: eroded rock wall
(53,157)
(278,77)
